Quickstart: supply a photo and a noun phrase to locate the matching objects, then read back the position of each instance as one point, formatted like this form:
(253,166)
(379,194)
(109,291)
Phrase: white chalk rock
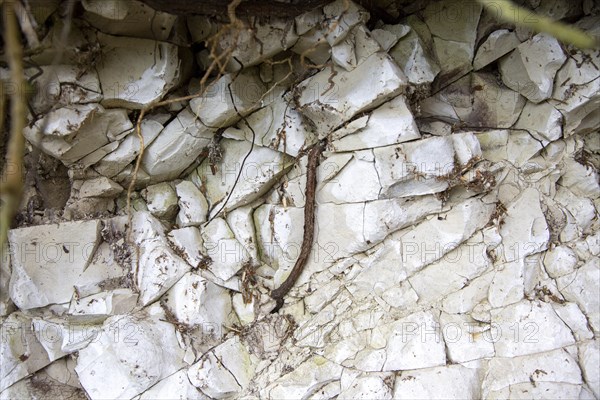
(227,254)
(580,179)
(75,131)
(411,342)
(497,44)
(454,30)
(329,100)
(109,302)
(438,383)
(144,351)
(342,188)
(391,123)
(413,55)
(161,200)
(124,18)
(367,387)
(48,260)
(589,359)
(262,168)
(212,378)
(195,301)
(559,261)
(105,270)
(542,121)
(280,127)
(577,92)
(525,230)
(177,146)
(193,207)
(64,85)
(577,286)
(504,373)
(416,168)
(314,372)
(251,47)
(189,244)
(128,149)
(99,187)
(153,69)
(176,386)
(215,107)
(341,16)
(158,266)
(538,329)
(21,351)
(475,100)
(531,67)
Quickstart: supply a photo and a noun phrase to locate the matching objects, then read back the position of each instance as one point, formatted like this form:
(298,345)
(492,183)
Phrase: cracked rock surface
(456,226)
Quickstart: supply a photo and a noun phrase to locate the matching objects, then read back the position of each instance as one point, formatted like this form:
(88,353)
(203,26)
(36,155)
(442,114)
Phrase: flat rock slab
(48,260)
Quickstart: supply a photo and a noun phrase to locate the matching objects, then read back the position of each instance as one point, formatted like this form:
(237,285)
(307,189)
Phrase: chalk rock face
(329,101)
(48,261)
(143,340)
(455,207)
(153,69)
(176,147)
(531,67)
(74,131)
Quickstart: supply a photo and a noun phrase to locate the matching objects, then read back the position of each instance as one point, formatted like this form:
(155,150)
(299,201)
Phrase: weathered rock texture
(456,241)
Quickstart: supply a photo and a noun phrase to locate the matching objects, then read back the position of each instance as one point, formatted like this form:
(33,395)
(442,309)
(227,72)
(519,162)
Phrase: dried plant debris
(337,199)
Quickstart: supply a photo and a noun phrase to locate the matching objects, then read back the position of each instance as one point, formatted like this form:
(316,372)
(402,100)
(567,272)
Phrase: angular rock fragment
(109,302)
(174,386)
(250,47)
(548,370)
(542,121)
(437,383)
(418,168)
(48,261)
(332,97)
(389,124)
(75,131)
(497,44)
(531,67)
(279,126)
(366,386)
(304,379)
(341,16)
(538,329)
(129,363)
(454,29)
(589,359)
(227,254)
(224,100)
(161,200)
(193,207)
(475,100)
(122,18)
(238,182)
(99,187)
(20,350)
(413,53)
(577,287)
(153,68)
(158,266)
(128,149)
(197,302)
(64,85)
(177,146)
(577,93)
